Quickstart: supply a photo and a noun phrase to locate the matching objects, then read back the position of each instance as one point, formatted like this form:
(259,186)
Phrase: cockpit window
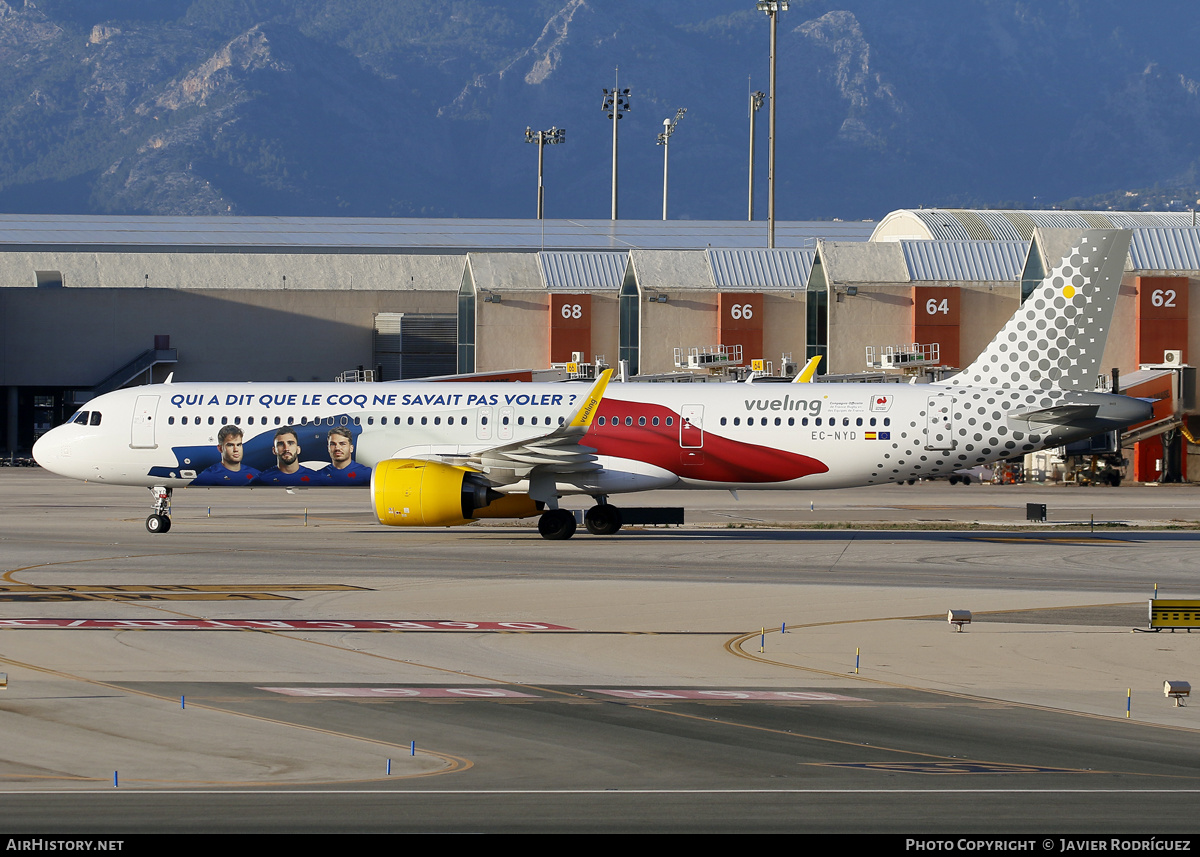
(80,417)
(95,420)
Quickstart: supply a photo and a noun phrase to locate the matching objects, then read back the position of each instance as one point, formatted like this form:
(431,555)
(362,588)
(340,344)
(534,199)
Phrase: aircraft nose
(53,451)
(41,449)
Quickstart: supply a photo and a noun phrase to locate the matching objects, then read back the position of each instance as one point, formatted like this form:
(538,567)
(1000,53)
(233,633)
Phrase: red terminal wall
(1161,325)
(936,316)
(740,322)
(570,327)
(1162,317)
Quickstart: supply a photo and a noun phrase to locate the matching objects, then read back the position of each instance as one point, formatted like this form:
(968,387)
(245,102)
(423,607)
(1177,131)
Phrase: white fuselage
(775,436)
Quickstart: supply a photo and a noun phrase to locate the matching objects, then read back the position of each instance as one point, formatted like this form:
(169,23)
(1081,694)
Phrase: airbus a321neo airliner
(441,454)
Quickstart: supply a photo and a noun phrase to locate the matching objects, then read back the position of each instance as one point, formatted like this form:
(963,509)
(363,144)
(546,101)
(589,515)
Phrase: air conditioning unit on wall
(1173,358)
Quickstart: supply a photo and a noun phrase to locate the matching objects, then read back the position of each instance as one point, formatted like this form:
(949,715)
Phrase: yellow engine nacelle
(413,493)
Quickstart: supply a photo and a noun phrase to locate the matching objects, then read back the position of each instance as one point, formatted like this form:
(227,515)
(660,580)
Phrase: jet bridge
(1160,443)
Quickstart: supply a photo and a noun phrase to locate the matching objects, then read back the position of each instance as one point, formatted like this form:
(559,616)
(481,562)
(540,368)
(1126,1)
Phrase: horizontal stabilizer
(1060,415)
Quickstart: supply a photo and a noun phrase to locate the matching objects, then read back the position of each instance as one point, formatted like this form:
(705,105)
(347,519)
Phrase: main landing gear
(557,524)
(160,520)
(601,520)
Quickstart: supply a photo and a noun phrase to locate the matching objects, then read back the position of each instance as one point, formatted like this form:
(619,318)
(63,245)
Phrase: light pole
(772,8)
(664,140)
(615,103)
(554,135)
(756,101)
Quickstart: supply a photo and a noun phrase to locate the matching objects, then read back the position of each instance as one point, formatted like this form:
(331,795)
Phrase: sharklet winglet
(805,375)
(586,412)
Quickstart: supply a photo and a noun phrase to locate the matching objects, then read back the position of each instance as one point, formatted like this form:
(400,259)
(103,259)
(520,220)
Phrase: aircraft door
(691,427)
(691,434)
(144,411)
(939,423)
(483,424)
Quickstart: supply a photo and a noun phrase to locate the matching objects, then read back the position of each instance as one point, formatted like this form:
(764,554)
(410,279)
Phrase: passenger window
(410,420)
(887,421)
(791,421)
(722,420)
(212,421)
(737,421)
(371,421)
(600,421)
(818,421)
(641,421)
(483,421)
(629,421)
(503,420)
(171,421)
(449,421)
(858,422)
(778,421)
(437,421)
(670,421)
(424,421)
(872,421)
(520,421)
(655,421)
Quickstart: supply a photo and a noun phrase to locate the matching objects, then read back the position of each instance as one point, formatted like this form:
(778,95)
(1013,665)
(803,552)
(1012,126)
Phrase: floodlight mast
(756,102)
(664,140)
(553,136)
(615,104)
(772,8)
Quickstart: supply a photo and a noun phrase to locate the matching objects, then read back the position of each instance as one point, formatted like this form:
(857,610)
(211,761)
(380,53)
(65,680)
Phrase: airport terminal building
(90,304)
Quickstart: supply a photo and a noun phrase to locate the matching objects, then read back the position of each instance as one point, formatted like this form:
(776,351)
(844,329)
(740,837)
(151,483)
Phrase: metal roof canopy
(1011,225)
(583,271)
(965,261)
(1165,249)
(150,234)
(761,269)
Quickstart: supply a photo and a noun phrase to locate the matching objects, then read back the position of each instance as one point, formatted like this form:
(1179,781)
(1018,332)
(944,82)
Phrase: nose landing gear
(160,519)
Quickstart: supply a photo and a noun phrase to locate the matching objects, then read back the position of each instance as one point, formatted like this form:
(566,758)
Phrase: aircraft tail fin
(1056,339)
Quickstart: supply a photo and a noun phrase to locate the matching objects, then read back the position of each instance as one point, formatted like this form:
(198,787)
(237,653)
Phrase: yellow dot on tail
(1069,292)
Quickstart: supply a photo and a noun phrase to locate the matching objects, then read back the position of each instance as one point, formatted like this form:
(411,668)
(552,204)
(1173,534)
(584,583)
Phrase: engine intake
(413,493)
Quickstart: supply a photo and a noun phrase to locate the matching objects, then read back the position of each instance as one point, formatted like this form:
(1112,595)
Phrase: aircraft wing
(556,452)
